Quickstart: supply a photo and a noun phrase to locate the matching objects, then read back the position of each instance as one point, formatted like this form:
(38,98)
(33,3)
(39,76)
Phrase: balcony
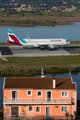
(37,101)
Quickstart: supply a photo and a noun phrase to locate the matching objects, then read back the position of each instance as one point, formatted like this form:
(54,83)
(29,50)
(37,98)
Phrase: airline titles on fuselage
(55,40)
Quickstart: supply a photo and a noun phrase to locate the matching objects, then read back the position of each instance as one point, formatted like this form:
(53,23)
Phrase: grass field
(26,66)
(75,42)
(38,20)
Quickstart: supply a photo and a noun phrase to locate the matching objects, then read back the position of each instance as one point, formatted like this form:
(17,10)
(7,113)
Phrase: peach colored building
(35,97)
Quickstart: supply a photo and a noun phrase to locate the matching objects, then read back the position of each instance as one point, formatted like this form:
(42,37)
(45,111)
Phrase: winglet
(28,37)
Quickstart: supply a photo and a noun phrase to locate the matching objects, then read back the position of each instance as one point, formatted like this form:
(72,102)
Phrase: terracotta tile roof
(39,83)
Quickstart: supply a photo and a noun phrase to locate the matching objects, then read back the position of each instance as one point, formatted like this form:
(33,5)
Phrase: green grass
(15,14)
(75,42)
(59,61)
(27,22)
(32,65)
(21,18)
(14,18)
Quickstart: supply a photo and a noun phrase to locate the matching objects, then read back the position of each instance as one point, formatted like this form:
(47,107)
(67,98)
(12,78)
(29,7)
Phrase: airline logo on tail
(14,39)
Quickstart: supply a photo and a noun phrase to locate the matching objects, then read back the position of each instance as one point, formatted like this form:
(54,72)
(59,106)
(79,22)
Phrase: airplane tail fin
(13,38)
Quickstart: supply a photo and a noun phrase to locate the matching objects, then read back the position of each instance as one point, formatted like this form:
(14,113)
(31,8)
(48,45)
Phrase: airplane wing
(42,45)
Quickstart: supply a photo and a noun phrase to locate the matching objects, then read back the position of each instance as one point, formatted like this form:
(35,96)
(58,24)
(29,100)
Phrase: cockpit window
(67,40)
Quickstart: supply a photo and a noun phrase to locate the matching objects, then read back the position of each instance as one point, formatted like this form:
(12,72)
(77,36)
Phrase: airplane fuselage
(39,42)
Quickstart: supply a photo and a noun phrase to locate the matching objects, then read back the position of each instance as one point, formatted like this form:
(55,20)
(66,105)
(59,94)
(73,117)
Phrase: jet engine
(50,46)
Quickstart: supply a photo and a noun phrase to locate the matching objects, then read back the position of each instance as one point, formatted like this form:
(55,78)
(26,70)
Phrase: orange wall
(74,105)
(7,93)
(23,93)
(55,94)
(23,110)
(6,111)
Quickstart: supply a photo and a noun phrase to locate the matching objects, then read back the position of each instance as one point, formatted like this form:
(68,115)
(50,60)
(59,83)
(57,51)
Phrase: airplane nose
(69,42)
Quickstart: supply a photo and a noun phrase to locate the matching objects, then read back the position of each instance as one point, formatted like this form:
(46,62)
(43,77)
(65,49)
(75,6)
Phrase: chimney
(54,82)
(42,72)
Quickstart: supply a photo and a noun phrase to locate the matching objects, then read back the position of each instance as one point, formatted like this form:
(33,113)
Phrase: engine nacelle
(50,46)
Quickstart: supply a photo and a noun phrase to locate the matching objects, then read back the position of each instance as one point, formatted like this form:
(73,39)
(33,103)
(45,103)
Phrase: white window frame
(40,95)
(40,109)
(28,108)
(64,95)
(28,94)
(64,111)
(17,94)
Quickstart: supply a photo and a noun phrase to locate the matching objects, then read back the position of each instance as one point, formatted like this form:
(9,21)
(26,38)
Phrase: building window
(14,95)
(64,109)
(39,93)
(29,93)
(38,109)
(64,94)
(30,108)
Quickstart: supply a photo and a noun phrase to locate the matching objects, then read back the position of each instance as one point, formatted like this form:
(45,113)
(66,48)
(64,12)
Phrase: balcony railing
(37,100)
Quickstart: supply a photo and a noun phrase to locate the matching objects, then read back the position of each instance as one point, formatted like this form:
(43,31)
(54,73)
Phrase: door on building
(48,95)
(14,95)
(14,111)
(47,112)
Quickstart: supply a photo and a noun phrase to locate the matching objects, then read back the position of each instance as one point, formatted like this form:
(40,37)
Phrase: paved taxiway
(24,51)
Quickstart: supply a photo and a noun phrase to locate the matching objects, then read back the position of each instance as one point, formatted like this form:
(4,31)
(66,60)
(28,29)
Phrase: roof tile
(39,83)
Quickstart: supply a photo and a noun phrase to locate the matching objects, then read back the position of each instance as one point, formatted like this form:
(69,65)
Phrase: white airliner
(42,43)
